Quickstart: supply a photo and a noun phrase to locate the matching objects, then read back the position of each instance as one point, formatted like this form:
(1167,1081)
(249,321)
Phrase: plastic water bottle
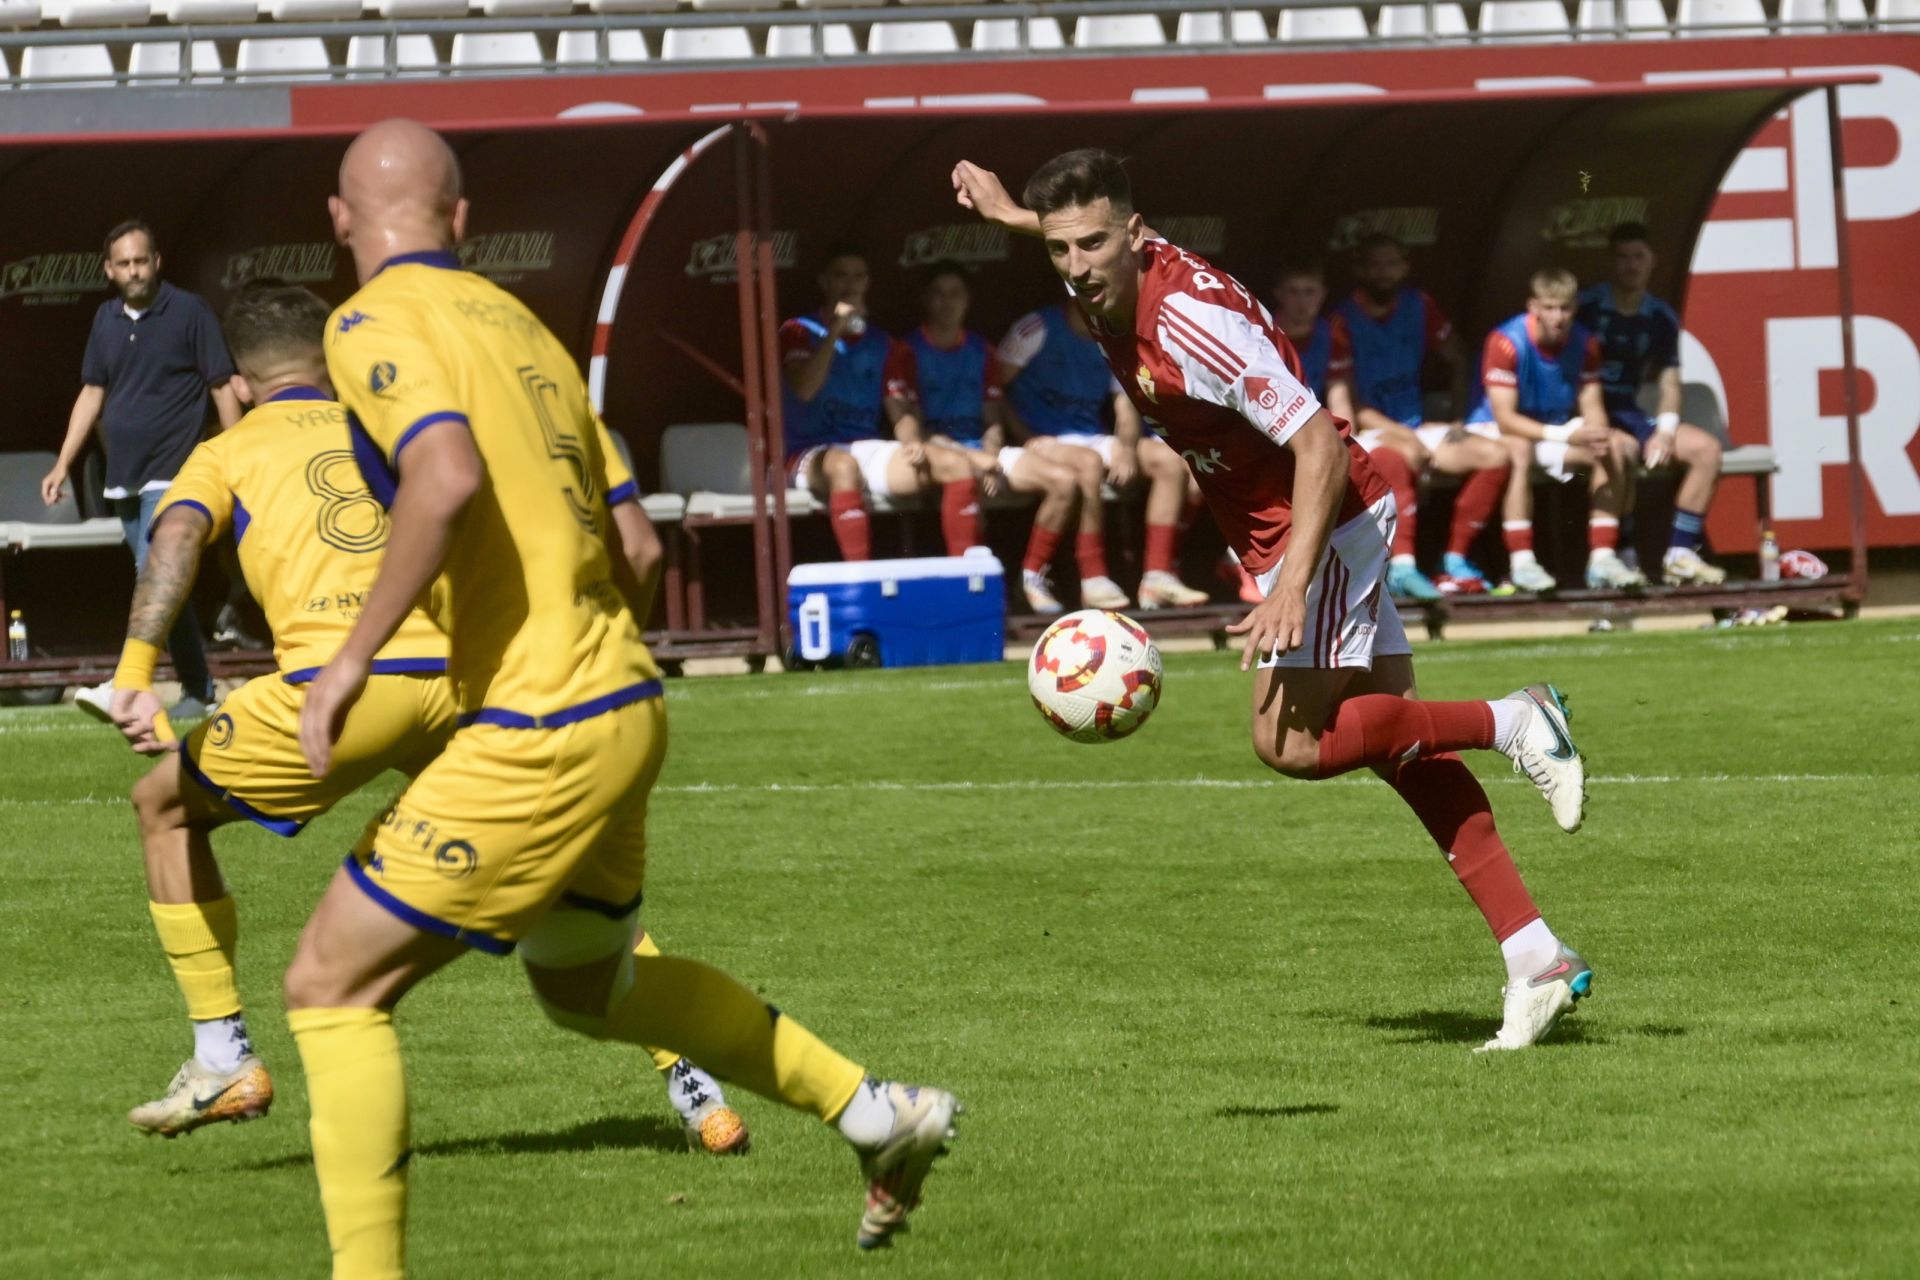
(17,650)
(1769,557)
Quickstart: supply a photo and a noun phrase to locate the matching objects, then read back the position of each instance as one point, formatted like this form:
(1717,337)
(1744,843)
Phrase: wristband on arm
(1561,434)
(1667,422)
(137,661)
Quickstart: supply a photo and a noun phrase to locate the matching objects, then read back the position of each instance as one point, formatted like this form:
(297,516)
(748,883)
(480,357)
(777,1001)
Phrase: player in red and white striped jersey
(1308,514)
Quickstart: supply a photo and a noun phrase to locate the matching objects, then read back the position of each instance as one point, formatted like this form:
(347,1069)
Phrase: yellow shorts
(247,754)
(508,821)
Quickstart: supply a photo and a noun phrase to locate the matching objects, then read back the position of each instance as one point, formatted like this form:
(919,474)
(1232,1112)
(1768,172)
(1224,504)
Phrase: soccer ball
(1095,676)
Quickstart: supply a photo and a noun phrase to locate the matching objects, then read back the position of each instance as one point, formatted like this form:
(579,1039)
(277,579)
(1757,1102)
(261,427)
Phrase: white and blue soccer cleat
(1543,750)
(896,1167)
(1533,1006)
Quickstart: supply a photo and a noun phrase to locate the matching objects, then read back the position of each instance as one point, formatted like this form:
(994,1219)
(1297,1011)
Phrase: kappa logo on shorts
(455,859)
(220,731)
(382,376)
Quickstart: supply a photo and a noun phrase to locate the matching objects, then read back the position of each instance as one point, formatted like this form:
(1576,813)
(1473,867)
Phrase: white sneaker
(1102,593)
(895,1169)
(1533,1006)
(1544,751)
(1607,571)
(1039,592)
(1531,577)
(94,700)
(1162,590)
(1683,568)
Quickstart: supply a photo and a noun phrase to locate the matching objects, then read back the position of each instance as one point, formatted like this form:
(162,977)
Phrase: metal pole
(766,267)
(1856,474)
(745,276)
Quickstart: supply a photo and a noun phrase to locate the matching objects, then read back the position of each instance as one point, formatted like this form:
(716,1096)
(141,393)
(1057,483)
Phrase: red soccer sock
(1406,495)
(851,528)
(1040,548)
(1090,550)
(1603,533)
(1160,543)
(1449,801)
(1385,729)
(1518,535)
(1479,499)
(960,515)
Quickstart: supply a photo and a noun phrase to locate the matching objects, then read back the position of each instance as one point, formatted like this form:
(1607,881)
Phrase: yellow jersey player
(283,480)
(528,831)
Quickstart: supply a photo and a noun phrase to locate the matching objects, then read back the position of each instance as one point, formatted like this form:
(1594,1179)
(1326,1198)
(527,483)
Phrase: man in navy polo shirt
(153,357)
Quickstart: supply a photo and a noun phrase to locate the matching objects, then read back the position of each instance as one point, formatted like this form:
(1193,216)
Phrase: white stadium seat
(839,4)
(16,15)
(1409,21)
(628,45)
(705,6)
(1343,22)
(1645,19)
(1118,31)
(1542,19)
(1247,27)
(207,12)
(1001,34)
(72,63)
(424,8)
(792,41)
(283,58)
(102,13)
(705,44)
(313,10)
(912,37)
(1814,13)
(160,60)
(496,50)
(633,6)
(1898,13)
(413,55)
(1722,18)
(526,8)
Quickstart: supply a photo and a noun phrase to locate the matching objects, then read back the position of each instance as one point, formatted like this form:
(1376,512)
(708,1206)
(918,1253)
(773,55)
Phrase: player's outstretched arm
(440,471)
(173,561)
(982,191)
(1319,483)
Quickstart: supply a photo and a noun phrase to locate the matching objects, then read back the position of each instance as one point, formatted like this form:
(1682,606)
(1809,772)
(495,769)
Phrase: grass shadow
(1453,1026)
(606,1133)
(1243,1112)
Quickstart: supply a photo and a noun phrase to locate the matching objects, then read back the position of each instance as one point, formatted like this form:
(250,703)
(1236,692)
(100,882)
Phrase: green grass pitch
(1207,1022)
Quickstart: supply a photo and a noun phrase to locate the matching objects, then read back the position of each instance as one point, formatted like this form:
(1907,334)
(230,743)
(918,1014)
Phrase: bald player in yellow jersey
(529,831)
(284,482)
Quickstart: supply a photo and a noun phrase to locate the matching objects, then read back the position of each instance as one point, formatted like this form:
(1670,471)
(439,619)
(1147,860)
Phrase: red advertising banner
(1761,301)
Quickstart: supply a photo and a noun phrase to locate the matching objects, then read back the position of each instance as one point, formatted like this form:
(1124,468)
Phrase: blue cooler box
(899,613)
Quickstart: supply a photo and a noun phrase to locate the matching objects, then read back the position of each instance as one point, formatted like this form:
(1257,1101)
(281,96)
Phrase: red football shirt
(1207,365)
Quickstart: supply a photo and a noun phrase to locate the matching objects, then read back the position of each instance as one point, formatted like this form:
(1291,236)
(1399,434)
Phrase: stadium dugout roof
(1485,185)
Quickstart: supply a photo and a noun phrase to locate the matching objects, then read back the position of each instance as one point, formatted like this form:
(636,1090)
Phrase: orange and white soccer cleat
(1162,590)
(199,1096)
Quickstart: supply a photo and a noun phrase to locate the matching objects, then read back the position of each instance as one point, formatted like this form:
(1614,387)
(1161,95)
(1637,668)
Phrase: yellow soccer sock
(662,1058)
(357,1092)
(199,939)
(732,1033)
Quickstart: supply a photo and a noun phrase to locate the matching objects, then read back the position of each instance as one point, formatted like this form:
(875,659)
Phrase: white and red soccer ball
(1095,676)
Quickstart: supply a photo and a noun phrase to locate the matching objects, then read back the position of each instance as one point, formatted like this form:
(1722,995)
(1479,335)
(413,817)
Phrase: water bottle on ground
(1769,557)
(17,650)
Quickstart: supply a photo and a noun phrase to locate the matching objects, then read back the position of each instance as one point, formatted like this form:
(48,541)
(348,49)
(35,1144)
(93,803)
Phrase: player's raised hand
(1277,625)
(329,698)
(982,191)
(142,720)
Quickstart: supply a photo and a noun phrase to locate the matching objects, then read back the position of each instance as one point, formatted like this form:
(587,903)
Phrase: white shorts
(1350,616)
(1101,442)
(1434,434)
(1009,458)
(872,456)
(1551,457)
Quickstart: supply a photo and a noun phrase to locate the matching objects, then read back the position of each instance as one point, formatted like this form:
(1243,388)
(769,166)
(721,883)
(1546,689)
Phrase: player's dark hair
(941,270)
(1379,240)
(1628,233)
(1294,267)
(840,249)
(1075,179)
(127,228)
(270,323)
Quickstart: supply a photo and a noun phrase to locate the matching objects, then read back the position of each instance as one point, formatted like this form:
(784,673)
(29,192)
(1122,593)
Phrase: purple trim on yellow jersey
(279,826)
(184,502)
(446,259)
(421,424)
(378,667)
(241,518)
(374,469)
(628,492)
(421,920)
(296,393)
(502,718)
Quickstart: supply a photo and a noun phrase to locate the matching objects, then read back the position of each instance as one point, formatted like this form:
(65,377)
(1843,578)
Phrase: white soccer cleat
(1533,1006)
(895,1169)
(1162,590)
(1531,577)
(1039,592)
(1684,568)
(1544,751)
(199,1096)
(1608,572)
(1102,593)
(94,700)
